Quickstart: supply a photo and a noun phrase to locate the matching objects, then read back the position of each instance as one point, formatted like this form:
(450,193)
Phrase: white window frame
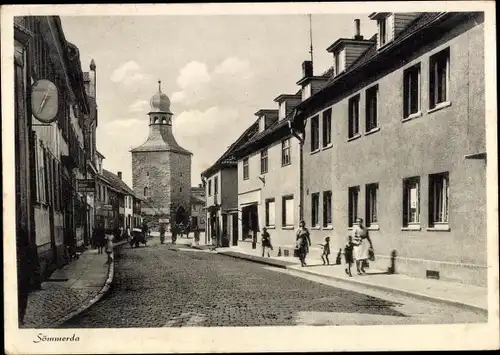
(371,205)
(352,204)
(286,156)
(408,93)
(315,210)
(434,101)
(264,161)
(353,116)
(270,212)
(315,133)
(326,129)
(287,216)
(411,203)
(246,169)
(371,122)
(439,200)
(327,209)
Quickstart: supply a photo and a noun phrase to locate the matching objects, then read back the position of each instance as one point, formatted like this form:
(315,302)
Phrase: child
(326,251)
(338,261)
(348,250)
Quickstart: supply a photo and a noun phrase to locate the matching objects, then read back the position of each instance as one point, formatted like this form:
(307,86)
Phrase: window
(285,152)
(246,172)
(209,187)
(382,31)
(354,116)
(315,209)
(147,173)
(411,201)
(353,204)
(327,209)
(327,127)
(145,192)
(339,61)
(438,78)
(216,185)
(180,189)
(371,108)
(263,161)
(287,211)
(314,133)
(371,204)
(438,199)
(411,90)
(270,212)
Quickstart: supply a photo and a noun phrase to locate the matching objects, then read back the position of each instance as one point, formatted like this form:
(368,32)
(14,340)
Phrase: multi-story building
(51,111)
(198,200)
(268,175)
(399,133)
(221,184)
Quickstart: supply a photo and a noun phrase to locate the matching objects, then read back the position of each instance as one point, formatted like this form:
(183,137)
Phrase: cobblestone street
(173,286)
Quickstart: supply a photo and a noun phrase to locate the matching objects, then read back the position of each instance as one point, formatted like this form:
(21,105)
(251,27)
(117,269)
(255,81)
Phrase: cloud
(193,74)
(129,74)
(225,85)
(139,106)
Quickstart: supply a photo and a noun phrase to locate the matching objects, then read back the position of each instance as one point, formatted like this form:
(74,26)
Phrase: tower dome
(160,102)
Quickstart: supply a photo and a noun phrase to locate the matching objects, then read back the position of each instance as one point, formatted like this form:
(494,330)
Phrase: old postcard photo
(250,177)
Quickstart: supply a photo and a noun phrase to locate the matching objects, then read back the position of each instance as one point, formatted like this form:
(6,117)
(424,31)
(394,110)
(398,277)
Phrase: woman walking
(362,245)
(303,242)
(101,238)
(109,247)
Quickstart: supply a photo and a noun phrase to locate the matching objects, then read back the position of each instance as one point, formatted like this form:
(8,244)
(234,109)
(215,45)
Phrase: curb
(254,259)
(86,305)
(366,284)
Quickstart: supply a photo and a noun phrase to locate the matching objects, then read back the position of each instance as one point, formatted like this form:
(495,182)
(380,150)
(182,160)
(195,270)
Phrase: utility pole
(310,38)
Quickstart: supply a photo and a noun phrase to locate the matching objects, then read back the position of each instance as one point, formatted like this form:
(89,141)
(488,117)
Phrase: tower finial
(159,85)
(310,37)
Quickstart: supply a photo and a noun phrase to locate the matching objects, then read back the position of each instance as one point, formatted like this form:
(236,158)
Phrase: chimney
(357,23)
(307,69)
(120,175)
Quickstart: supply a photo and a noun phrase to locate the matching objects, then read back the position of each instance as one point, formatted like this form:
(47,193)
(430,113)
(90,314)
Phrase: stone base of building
(48,264)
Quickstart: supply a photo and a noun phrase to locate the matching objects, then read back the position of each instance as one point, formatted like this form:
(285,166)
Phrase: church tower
(161,168)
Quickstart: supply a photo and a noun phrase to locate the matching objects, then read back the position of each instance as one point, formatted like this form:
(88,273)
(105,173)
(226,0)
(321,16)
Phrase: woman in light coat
(362,245)
(109,247)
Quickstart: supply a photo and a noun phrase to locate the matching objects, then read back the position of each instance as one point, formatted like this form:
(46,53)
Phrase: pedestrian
(303,242)
(326,251)
(101,239)
(173,230)
(162,234)
(348,255)
(266,242)
(362,245)
(109,247)
(196,235)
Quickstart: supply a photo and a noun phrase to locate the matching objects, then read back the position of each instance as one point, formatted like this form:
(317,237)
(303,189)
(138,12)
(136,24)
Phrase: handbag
(296,252)
(371,254)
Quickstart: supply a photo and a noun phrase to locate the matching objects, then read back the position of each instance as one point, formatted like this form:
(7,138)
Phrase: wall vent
(432,274)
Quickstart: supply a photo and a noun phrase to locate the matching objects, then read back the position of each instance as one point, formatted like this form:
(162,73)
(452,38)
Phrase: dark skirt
(349,259)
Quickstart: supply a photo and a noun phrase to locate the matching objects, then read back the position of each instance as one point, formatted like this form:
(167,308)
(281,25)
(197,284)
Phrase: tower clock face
(44,100)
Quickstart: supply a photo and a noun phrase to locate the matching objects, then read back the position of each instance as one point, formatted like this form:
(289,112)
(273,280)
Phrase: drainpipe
(300,138)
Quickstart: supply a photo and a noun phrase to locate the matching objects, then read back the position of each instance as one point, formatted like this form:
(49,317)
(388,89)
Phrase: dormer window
(385,29)
(282,110)
(339,59)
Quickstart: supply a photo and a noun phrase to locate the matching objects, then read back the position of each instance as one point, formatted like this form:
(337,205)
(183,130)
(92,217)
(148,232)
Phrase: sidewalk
(458,294)
(69,290)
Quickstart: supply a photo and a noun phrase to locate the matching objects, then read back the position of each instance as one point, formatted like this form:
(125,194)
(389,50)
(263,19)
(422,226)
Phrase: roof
(227,159)
(115,181)
(195,200)
(160,140)
(371,54)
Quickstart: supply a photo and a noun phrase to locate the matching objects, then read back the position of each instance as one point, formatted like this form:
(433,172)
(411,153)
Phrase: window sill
(412,116)
(415,227)
(41,204)
(373,130)
(439,106)
(354,137)
(439,228)
(316,228)
(315,151)
(328,228)
(287,227)
(263,172)
(328,146)
(246,178)
(270,227)
(373,227)
(282,165)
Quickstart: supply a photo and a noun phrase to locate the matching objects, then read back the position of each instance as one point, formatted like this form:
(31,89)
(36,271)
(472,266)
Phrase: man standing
(266,242)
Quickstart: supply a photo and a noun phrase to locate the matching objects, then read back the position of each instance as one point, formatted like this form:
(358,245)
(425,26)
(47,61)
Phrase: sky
(218,70)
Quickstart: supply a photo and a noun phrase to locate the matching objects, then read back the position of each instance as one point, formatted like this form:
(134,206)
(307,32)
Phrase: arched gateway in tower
(161,168)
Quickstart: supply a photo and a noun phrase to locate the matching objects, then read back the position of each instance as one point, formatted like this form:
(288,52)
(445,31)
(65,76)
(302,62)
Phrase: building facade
(198,213)
(161,169)
(399,131)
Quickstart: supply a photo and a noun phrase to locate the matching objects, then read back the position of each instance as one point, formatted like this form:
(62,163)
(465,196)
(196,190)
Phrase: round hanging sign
(44,101)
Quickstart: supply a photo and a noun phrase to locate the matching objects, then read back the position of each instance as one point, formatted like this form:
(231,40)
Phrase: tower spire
(159,85)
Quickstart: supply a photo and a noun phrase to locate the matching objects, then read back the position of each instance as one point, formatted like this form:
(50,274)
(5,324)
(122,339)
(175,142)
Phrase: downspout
(296,134)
